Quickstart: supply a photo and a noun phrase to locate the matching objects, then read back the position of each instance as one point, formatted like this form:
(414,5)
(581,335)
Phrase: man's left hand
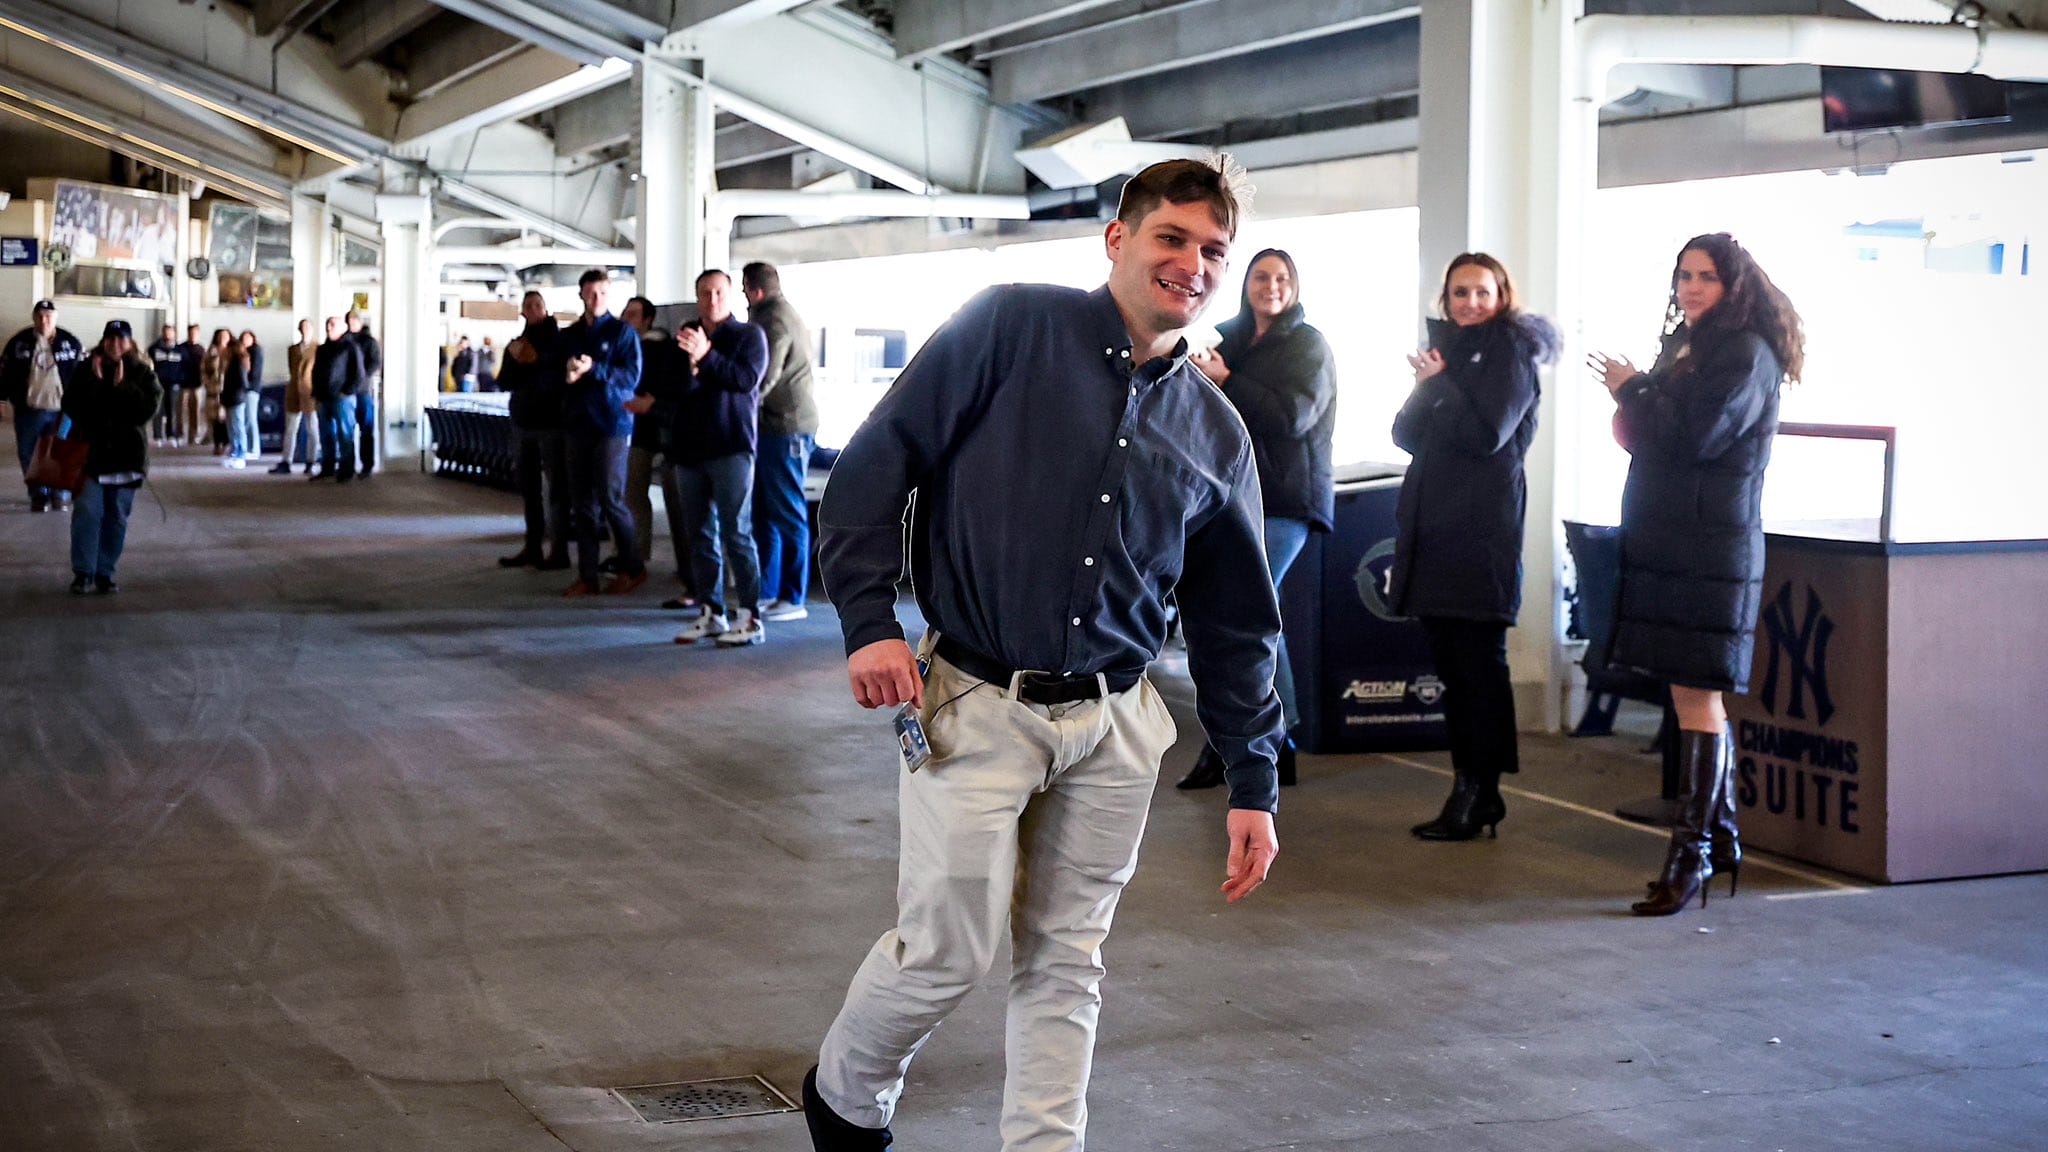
(694,343)
(1253,845)
(640,405)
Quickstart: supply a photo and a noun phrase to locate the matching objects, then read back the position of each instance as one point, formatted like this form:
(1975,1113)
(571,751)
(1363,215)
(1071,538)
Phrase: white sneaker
(784,610)
(705,627)
(746,629)
(235,462)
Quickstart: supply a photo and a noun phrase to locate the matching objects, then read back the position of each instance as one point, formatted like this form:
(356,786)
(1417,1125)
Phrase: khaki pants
(1028,817)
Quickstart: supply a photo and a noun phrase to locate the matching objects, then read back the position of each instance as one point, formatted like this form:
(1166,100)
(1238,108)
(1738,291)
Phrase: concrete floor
(328,834)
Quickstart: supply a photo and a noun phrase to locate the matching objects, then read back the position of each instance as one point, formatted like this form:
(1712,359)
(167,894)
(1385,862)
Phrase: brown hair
(1244,295)
(1750,302)
(1478,260)
(761,277)
(1208,182)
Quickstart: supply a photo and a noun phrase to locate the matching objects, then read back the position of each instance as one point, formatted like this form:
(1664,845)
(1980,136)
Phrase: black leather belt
(1032,687)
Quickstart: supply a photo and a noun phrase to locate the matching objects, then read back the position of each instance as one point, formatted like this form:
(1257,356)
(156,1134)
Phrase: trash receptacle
(1363,676)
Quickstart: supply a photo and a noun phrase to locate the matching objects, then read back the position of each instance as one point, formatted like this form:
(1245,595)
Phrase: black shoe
(525,559)
(610,564)
(1688,863)
(344,478)
(78,584)
(39,503)
(63,503)
(1207,772)
(323,474)
(284,468)
(554,563)
(104,585)
(1472,805)
(680,604)
(830,1132)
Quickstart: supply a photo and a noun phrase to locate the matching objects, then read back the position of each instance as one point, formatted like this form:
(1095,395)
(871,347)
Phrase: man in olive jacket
(111,399)
(788,434)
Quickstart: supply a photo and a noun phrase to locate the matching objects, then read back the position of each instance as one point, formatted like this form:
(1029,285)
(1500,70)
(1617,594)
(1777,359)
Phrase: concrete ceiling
(527,106)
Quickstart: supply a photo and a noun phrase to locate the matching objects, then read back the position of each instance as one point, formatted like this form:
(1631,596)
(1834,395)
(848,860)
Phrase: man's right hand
(578,367)
(884,674)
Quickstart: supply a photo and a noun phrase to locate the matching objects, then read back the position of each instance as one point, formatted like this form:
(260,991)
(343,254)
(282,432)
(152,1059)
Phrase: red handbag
(58,463)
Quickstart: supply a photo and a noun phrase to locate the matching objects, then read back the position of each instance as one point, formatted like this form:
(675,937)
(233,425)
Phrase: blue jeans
(597,494)
(29,426)
(1284,541)
(338,436)
(724,485)
(782,521)
(243,440)
(366,425)
(99,528)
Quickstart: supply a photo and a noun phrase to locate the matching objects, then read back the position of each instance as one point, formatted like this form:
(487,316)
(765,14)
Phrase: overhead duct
(1605,42)
(724,208)
(1088,154)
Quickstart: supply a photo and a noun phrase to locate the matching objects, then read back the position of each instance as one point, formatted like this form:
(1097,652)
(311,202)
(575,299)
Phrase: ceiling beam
(712,13)
(437,62)
(123,144)
(929,27)
(293,15)
(531,81)
(1333,72)
(1179,38)
(173,145)
(367,27)
(309,128)
(504,209)
(1099,19)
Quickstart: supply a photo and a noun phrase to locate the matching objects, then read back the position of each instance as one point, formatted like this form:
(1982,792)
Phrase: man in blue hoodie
(602,369)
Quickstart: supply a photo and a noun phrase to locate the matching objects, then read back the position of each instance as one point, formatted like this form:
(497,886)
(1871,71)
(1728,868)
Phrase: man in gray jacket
(788,434)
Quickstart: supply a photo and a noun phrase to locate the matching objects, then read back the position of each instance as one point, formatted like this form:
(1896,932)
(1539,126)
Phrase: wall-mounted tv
(1859,99)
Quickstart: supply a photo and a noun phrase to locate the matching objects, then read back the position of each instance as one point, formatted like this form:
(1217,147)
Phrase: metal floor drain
(723,1099)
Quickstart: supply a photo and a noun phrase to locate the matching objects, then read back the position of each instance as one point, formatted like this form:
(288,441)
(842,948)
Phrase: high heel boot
(1687,862)
(1474,803)
(1725,852)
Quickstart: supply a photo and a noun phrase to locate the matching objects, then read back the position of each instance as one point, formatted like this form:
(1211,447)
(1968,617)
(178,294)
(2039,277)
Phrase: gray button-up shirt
(1062,492)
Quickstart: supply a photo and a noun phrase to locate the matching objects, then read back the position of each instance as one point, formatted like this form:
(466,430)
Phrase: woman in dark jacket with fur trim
(111,400)
(1698,427)
(1277,372)
(1458,547)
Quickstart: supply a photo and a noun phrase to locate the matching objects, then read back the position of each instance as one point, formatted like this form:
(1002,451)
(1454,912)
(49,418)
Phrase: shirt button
(1127,353)
(1123,443)
(1105,497)
(1089,561)
(1077,621)
(1134,389)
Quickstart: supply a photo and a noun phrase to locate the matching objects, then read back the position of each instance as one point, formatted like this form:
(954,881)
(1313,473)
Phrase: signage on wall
(1791,765)
(17,251)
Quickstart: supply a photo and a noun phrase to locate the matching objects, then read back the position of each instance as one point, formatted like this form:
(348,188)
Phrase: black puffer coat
(1698,427)
(1458,542)
(1285,388)
(532,371)
(113,415)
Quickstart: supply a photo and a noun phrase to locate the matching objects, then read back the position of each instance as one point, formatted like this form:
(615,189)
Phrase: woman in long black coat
(111,399)
(1698,427)
(1458,544)
(1277,371)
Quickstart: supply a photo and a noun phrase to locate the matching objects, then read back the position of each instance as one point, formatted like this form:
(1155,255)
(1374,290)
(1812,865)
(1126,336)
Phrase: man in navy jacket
(35,368)
(602,371)
(713,450)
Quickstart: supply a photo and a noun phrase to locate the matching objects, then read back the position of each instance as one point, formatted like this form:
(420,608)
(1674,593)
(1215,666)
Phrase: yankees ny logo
(1801,648)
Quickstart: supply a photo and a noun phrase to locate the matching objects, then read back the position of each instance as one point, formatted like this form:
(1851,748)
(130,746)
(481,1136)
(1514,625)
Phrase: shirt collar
(1115,339)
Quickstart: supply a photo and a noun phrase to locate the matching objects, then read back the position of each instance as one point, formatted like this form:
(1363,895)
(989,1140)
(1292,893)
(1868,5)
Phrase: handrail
(1890,437)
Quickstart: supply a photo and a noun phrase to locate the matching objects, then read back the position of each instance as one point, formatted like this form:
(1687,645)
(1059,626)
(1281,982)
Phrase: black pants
(544,484)
(597,491)
(1479,704)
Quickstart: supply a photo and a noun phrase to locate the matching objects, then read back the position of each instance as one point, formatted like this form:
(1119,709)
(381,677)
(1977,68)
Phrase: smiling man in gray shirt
(1071,469)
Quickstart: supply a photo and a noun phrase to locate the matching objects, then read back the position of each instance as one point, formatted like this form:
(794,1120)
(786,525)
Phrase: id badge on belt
(917,751)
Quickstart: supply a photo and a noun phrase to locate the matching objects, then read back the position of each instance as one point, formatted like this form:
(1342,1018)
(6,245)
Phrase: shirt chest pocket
(1162,496)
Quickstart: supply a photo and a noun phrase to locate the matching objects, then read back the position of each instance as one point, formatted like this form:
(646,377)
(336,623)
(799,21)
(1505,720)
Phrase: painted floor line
(1752,859)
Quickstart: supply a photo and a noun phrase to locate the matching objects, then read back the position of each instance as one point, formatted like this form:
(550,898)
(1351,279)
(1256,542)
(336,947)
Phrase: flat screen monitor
(1859,99)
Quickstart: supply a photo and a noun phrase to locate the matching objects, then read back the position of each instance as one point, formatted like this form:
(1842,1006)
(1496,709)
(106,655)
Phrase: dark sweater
(113,415)
(718,410)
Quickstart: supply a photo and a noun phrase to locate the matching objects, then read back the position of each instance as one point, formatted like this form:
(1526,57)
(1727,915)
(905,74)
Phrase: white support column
(676,157)
(1506,167)
(412,302)
(310,221)
(181,284)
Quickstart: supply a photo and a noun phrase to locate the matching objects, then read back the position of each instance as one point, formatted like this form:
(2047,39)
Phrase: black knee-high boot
(1687,862)
(1725,851)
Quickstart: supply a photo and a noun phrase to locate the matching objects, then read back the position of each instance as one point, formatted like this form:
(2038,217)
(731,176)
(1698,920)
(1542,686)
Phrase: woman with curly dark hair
(1698,427)
(1458,542)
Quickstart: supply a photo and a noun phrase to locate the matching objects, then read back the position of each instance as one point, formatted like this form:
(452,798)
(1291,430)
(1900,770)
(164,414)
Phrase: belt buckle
(1030,683)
